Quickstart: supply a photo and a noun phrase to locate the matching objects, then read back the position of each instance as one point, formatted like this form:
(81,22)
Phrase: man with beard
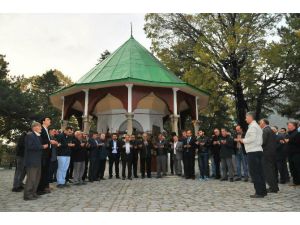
(215,150)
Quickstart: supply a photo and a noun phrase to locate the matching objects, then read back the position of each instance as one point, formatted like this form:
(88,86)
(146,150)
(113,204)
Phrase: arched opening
(137,127)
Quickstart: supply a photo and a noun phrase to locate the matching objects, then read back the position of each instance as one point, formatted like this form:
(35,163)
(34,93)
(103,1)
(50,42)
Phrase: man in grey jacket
(269,153)
(176,147)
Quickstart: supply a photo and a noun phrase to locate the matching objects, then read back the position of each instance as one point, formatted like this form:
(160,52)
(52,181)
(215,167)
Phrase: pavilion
(130,90)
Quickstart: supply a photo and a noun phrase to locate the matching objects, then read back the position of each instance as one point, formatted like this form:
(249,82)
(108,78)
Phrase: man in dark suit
(94,148)
(161,148)
(189,151)
(43,187)
(269,156)
(127,151)
(102,155)
(145,156)
(136,148)
(114,155)
(33,158)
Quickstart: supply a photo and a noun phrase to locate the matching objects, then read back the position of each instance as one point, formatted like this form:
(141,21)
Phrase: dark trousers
(217,161)
(145,165)
(203,164)
(189,164)
(44,180)
(255,162)
(269,166)
(282,170)
(32,181)
(52,171)
(101,170)
(19,172)
(69,174)
(134,165)
(114,159)
(127,161)
(172,162)
(294,162)
(93,169)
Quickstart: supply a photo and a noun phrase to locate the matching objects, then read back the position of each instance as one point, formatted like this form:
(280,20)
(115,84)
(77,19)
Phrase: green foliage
(230,49)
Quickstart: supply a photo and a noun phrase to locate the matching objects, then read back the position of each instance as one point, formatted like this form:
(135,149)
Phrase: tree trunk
(241,106)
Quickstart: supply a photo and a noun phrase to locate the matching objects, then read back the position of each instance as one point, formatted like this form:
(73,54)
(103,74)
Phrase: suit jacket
(93,149)
(179,149)
(123,153)
(136,148)
(33,150)
(215,148)
(294,142)
(102,149)
(45,140)
(192,148)
(269,142)
(110,147)
(162,148)
(145,151)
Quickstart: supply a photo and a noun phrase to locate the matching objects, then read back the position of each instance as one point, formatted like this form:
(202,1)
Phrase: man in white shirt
(253,144)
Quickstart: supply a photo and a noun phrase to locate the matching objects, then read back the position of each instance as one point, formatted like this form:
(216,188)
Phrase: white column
(129,97)
(86,102)
(175,100)
(129,114)
(196,106)
(62,107)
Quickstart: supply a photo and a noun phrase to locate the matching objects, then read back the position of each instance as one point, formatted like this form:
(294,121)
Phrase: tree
(228,45)
(290,55)
(103,56)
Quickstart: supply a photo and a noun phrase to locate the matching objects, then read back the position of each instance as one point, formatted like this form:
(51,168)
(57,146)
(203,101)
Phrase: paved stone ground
(168,194)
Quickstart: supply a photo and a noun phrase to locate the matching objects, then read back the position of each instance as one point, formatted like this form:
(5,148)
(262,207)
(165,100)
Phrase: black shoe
(117,177)
(223,179)
(246,179)
(237,179)
(29,198)
(136,176)
(231,179)
(19,189)
(271,191)
(102,178)
(257,196)
(60,186)
(149,177)
(143,177)
(129,178)
(66,185)
(41,193)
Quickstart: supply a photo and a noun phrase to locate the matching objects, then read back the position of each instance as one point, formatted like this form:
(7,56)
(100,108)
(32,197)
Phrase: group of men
(46,155)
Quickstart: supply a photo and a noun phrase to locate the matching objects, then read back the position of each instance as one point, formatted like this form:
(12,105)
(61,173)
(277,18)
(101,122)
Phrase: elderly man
(253,144)
(33,160)
(269,152)
(78,158)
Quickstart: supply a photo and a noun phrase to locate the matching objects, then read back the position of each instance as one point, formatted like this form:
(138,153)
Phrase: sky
(71,43)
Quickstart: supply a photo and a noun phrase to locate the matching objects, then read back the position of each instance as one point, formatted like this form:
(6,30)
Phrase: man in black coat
(189,151)
(215,151)
(93,153)
(114,155)
(102,155)
(161,149)
(293,145)
(269,153)
(43,187)
(127,151)
(136,148)
(146,156)
(226,152)
(20,168)
(78,158)
(32,160)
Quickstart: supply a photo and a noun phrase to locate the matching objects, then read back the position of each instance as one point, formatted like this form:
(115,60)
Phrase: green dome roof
(132,62)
